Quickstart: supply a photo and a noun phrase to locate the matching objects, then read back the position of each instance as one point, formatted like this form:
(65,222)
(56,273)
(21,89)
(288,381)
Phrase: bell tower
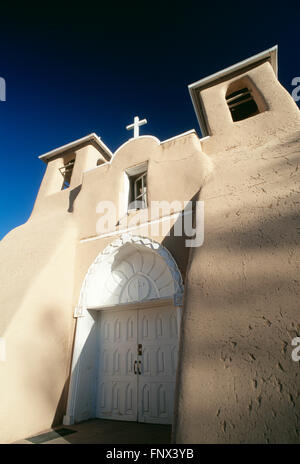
(243,104)
(65,168)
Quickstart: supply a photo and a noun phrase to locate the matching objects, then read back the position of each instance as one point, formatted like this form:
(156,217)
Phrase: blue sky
(93,67)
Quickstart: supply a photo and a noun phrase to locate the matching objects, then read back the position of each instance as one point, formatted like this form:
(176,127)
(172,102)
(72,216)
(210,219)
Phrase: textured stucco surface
(237,381)
(36,323)
(46,262)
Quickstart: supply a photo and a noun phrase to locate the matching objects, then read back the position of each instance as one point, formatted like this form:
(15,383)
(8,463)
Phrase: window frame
(244,100)
(135,174)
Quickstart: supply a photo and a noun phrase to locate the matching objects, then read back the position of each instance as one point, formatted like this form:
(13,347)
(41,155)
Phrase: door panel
(144,394)
(117,382)
(158,334)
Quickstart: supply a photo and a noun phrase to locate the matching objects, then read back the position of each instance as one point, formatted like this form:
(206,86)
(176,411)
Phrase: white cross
(135,126)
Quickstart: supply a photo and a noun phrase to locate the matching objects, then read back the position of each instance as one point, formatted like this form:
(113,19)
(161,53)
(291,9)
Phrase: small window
(137,176)
(66,172)
(241,104)
(139,192)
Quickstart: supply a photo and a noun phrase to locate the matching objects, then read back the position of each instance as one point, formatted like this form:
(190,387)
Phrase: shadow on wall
(72,197)
(176,245)
(62,405)
(247,386)
(241,314)
(252,352)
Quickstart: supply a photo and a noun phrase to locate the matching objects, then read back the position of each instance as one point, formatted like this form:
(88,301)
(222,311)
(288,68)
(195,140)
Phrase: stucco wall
(176,171)
(45,262)
(36,275)
(237,381)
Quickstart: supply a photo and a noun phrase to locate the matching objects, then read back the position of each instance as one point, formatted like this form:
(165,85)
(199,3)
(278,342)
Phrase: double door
(137,364)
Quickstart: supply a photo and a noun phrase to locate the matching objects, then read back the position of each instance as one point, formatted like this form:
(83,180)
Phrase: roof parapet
(92,138)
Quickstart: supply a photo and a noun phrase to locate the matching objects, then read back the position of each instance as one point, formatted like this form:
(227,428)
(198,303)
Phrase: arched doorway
(125,353)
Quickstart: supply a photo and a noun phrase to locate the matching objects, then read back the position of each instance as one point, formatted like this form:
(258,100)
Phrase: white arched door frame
(86,311)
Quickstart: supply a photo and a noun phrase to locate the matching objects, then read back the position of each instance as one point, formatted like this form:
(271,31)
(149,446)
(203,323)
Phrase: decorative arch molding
(168,284)
(119,276)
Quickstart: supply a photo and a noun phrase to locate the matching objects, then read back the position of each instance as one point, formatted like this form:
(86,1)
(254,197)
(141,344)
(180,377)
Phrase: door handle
(139,367)
(136,367)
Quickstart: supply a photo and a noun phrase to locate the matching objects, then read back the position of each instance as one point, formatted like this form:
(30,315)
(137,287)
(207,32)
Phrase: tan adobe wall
(45,264)
(237,380)
(36,323)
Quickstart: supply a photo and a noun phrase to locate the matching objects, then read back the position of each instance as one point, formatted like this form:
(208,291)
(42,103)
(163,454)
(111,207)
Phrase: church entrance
(125,350)
(137,364)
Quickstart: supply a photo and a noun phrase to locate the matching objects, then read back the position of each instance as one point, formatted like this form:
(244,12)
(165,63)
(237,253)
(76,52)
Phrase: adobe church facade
(134,322)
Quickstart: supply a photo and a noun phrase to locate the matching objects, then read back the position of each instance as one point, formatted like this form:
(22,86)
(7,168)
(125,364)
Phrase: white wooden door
(158,335)
(117,384)
(137,365)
